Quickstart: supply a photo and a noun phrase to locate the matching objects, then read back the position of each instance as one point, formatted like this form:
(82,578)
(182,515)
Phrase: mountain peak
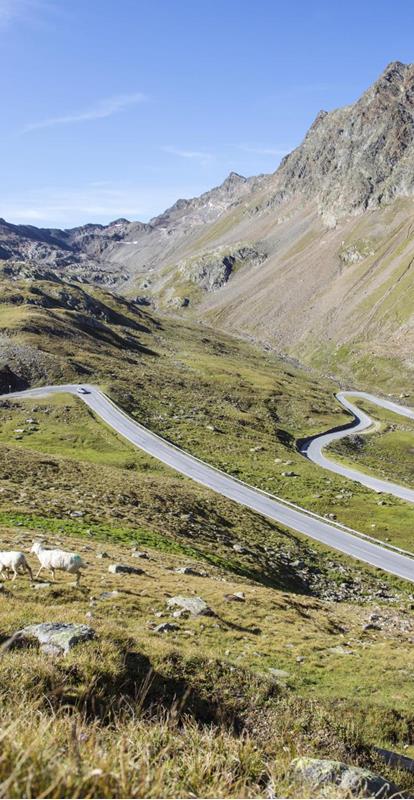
(361,155)
(234,177)
(394,82)
(395,70)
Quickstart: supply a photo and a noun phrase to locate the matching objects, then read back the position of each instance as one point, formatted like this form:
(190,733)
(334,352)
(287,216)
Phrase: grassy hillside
(227,701)
(224,400)
(220,705)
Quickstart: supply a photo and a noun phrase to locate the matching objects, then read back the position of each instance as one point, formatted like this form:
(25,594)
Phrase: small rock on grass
(278,673)
(125,569)
(340,650)
(190,571)
(195,605)
(166,627)
(237,597)
(354,781)
(55,638)
(108,595)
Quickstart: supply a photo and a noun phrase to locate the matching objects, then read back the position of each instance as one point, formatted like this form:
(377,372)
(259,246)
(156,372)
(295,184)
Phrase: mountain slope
(276,672)
(362,155)
(315,260)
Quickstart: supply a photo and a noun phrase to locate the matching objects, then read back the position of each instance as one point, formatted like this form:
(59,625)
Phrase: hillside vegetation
(216,706)
(225,401)
(313,658)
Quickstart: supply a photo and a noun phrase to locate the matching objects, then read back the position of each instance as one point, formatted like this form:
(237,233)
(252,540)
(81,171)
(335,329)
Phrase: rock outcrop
(353,781)
(55,638)
(360,156)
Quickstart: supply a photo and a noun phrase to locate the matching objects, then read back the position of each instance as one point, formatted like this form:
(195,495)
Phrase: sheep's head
(36,546)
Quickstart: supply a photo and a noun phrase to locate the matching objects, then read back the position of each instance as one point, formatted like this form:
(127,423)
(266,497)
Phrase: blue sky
(118,107)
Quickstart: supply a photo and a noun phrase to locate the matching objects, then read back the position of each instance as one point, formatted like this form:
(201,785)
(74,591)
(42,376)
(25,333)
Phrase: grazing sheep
(13,561)
(58,559)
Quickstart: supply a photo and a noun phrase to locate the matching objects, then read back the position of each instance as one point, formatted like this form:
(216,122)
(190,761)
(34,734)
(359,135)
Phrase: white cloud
(104,108)
(203,157)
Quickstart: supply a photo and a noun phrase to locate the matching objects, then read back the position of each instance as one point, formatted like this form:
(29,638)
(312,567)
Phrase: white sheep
(58,560)
(14,561)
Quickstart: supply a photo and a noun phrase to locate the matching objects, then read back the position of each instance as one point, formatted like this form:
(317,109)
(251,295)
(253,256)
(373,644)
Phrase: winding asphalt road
(312,448)
(333,535)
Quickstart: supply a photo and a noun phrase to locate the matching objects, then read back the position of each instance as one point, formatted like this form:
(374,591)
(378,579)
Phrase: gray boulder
(190,571)
(278,673)
(237,597)
(355,781)
(195,605)
(124,569)
(108,595)
(166,627)
(55,638)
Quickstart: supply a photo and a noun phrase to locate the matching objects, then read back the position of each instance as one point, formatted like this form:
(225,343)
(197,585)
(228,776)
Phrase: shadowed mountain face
(315,259)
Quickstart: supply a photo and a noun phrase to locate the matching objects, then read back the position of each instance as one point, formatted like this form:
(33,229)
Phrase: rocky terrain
(93,251)
(200,633)
(125,661)
(315,259)
(358,157)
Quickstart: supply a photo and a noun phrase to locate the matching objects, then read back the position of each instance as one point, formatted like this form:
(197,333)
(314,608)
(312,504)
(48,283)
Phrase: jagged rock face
(210,204)
(212,270)
(356,157)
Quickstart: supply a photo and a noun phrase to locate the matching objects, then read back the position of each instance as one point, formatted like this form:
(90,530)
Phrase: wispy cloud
(201,156)
(264,151)
(104,108)
(11,10)
(97,201)
(24,11)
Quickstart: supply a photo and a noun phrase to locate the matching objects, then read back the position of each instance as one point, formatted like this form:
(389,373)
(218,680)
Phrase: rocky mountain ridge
(326,242)
(360,156)
(352,159)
